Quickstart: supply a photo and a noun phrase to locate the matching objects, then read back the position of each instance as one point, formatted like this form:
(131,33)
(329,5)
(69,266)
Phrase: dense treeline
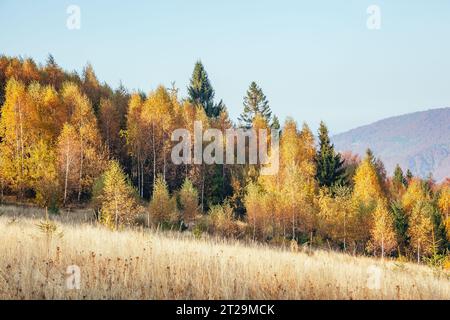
(67,139)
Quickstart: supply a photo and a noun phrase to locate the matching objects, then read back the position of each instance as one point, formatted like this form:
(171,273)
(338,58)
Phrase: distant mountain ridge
(418,141)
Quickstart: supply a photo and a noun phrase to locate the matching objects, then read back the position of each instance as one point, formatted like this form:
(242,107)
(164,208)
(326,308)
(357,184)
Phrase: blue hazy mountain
(417,141)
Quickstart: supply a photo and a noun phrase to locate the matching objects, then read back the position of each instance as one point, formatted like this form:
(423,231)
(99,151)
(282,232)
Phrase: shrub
(222,220)
(162,210)
(188,198)
(118,200)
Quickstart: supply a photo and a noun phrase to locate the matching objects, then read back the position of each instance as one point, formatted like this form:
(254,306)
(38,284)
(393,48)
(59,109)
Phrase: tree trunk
(203,185)
(138,173)
(116,213)
(1,190)
(154,152)
(80,187)
(164,164)
(142,179)
(20,149)
(418,251)
(223,182)
(345,232)
(164,155)
(66,178)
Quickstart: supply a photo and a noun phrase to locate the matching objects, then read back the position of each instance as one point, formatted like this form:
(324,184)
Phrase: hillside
(147,264)
(417,141)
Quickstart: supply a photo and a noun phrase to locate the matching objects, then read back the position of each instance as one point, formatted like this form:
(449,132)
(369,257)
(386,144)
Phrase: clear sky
(314,59)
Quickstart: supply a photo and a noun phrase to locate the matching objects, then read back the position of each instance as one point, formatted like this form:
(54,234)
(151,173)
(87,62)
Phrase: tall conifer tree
(330,170)
(201,92)
(255,102)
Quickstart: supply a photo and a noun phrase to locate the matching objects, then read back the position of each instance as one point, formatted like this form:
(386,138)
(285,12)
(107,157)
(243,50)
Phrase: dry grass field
(143,264)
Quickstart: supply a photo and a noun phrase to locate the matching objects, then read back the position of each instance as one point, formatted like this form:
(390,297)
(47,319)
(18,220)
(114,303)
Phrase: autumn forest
(67,140)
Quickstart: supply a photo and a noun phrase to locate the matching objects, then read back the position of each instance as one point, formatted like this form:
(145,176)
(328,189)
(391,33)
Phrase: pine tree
(399,179)
(379,168)
(408,176)
(275,123)
(119,205)
(201,92)
(53,74)
(330,169)
(255,102)
(398,183)
(401,225)
(444,207)
(51,62)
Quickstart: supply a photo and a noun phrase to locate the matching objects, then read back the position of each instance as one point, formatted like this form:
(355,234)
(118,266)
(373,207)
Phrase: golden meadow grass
(144,264)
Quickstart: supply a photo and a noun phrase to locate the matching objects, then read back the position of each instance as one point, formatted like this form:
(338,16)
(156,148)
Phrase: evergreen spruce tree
(330,170)
(401,226)
(399,179)
(409,176)
(255,102)
(201,92)
(275,123)
(51,62)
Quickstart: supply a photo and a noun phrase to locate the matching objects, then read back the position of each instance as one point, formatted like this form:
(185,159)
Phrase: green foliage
(275,123)
(53,207)
(57,130)
(330,170)
(49,228)
(436,260)
(398,178)
(201,92)
(255,103)
(400,225)
(409,176)
(379,168)
(217,186)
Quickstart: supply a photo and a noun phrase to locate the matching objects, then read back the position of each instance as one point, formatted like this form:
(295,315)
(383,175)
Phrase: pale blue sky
(314,59)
